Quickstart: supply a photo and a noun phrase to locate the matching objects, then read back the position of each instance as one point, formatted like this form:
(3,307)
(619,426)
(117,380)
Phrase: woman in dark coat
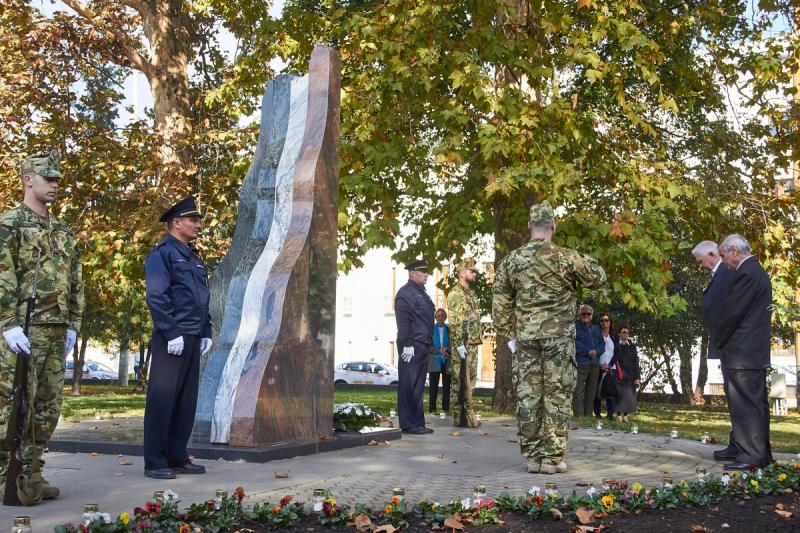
(625,363)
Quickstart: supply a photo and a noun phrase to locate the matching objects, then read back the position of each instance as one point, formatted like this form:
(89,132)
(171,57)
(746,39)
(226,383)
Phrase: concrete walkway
(436,467)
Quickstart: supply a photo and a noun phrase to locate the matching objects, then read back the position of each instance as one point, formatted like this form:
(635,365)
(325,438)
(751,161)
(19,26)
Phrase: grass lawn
(658,418)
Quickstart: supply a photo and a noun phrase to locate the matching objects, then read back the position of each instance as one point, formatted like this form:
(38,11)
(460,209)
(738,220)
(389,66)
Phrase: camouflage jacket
(534,290)
(463,307)
(59,289)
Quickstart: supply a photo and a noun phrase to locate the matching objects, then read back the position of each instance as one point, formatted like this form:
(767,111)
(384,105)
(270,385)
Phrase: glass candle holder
(442,415)
(392,413)
(158,496)
(22,524)
(666,480)
(398,493)
(550,490)
(479,491)
(478,417)
(319,498)
(634,429)
(701,472)
(673,433)
(599,425)
(88,512)
(704,438)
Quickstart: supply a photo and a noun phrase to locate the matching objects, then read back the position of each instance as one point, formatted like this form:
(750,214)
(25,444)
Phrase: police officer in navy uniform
(178,297)
(414,315)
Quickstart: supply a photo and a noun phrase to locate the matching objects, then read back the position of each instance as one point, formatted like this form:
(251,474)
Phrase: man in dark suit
(744,338)
(707,256)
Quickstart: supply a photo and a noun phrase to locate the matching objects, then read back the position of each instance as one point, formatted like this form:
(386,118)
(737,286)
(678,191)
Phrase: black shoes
(417,431)
(739,466)
(725,455)
(189,468)
(160,473)
(428,430)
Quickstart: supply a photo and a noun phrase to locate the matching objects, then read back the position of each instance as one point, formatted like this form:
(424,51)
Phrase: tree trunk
(505,240)
(144,370)
(124,353)
(140,378)
(685,376)
(646,381)
(676,391)
(702,372)
(77,365)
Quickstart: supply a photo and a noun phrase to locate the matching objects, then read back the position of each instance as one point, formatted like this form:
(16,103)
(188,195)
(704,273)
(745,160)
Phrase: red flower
(83,528)
(539,500)
(211,505)
(328,508)
(285,501)
(142,524)
(138,511)
(152,507)
(239,493)
(753,468)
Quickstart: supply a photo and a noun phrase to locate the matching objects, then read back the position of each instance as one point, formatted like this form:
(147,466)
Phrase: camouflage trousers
(455,385)
(45,390)
(543,372)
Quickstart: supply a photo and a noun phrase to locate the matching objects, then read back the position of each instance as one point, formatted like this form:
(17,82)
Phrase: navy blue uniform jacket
(177,290)
(413,310)
(745,322)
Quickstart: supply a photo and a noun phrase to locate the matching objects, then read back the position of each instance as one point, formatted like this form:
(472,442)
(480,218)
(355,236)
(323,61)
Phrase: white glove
(175,346)
(69,343)
(408,353)
(512,345)
(17,340)
(462,351)
(205,345)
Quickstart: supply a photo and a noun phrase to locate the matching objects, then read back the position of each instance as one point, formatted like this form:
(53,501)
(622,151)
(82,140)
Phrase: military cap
(541,212)
(185,208)
(468,263)
(419,264)
(43,163)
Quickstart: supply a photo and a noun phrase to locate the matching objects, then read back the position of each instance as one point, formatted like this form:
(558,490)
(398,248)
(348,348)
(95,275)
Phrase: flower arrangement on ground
(353,416)
(285,514)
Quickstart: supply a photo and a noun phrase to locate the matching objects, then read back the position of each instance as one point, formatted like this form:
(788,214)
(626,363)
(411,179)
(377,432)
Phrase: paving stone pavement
(437,467)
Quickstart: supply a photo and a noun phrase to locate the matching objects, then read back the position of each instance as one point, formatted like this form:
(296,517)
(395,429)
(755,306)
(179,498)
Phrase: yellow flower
(434,505)
(125,517)
(395,500)
(637,487)
(685,495)
(608,500)
(388,509)
(754,483)
(184,528)
(276,509)
(782,476)
(331,501)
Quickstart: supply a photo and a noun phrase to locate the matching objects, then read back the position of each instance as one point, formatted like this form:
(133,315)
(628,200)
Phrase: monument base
(124,437)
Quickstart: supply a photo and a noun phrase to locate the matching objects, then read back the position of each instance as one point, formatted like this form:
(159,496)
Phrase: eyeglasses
(605,320)
(586,314)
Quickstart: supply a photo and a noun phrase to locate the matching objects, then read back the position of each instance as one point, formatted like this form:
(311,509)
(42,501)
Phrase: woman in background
(624,367)
(610,338)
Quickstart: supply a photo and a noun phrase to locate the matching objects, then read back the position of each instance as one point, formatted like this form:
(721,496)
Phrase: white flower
(551,493)
(358,411)
(318,507)
(170,495)
(534,491)
(667,485)
(726,479)
(466,503)
(591,491)
(101,517)
(744,475)
(367,410)
(759,474)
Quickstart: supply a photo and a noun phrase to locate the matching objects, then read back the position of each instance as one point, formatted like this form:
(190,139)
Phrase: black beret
(185,208)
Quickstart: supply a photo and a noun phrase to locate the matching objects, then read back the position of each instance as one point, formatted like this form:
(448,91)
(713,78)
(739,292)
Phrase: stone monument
(269,376)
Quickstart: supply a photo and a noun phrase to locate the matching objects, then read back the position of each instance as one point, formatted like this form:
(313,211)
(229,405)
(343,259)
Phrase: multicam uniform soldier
(534,307)
(463,309)
(29,231)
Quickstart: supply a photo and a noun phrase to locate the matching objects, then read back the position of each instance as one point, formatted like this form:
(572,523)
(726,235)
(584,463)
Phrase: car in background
(91,370)
(366,372)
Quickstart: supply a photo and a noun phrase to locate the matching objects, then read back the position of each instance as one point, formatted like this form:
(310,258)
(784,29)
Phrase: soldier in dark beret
(178,298)
(414,315)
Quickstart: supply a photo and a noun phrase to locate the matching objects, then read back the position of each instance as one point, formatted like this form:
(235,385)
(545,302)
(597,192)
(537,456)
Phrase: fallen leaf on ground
(556,514)
(788,490)
(386,528)
(126,462)
(324,437)
(699,529)
(584,515)
(587,529)
(456,434)
(779,506)
(119,474)
(482,433)
(362,522)
(583,483)
(372,443)
(783,514)
(440,456)
(452,523)
(93,454)
(281,475)
(385,443)
(724,525)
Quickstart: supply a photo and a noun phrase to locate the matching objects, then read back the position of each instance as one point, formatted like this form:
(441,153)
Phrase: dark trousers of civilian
(749,408)
(585,390)
(171,402)
(412,384)
(433,391)
(731,441)
(598,402)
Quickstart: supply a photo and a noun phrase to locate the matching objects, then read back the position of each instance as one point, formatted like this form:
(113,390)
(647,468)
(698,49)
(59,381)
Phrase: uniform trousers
(749,407)
(45,391)
(171,402)
(543,373)
(411,388)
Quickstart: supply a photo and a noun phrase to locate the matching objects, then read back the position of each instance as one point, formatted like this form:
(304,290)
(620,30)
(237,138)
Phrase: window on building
(347,303)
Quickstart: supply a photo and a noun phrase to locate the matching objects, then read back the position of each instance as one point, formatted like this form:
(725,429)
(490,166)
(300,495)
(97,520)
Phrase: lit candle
(22,524)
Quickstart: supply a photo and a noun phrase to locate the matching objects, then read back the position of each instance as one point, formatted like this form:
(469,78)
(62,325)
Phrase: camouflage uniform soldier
(534,307)
(465,330)
(25,232)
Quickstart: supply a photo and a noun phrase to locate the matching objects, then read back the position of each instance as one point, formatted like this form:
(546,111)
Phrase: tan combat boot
(49,492)
(549,467)
(534,467)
